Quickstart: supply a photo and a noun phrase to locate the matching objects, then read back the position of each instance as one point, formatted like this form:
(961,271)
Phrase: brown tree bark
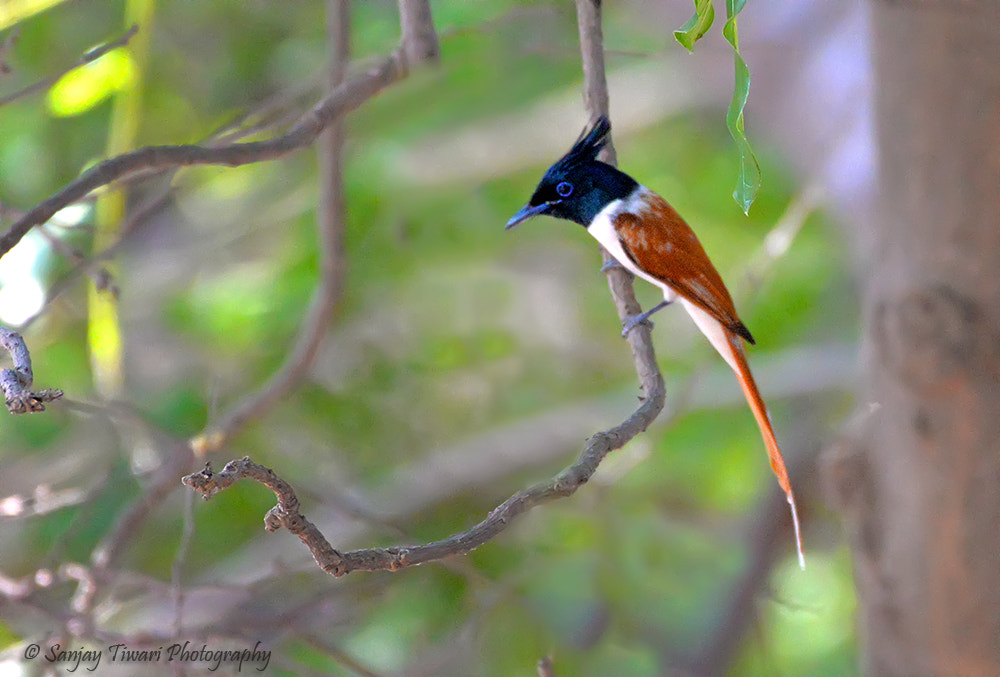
(920,490)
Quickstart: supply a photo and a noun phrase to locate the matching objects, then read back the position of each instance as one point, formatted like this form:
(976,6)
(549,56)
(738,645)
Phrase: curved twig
(303,133)
(16,382)
(287,515)
(330,230)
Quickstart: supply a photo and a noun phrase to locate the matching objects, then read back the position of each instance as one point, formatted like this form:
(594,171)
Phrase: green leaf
(748,182)
(697,25)
(15,11)
(83,88)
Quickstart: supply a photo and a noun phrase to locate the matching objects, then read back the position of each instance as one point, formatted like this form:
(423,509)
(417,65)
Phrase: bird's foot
(609,264)
(635,320)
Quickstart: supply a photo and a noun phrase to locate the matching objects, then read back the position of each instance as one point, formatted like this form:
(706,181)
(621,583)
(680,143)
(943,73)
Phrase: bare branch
(595,86)
(16,382)
(92,55)
(595,82)
(109,552)
(286,514)
(420,41)
(349,96)
(330,226)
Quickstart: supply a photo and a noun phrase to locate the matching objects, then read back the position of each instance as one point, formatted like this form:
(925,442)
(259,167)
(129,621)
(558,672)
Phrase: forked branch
(16,383)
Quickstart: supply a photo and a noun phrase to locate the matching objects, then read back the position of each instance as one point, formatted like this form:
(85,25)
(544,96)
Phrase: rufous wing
(658,241)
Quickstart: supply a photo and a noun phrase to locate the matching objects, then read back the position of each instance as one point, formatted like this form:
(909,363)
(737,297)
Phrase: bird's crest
(592,140)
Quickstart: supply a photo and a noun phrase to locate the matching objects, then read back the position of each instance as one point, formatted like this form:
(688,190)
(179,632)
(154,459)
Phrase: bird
(645,234)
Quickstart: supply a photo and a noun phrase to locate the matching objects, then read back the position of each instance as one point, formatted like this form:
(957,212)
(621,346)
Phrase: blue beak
(526,212)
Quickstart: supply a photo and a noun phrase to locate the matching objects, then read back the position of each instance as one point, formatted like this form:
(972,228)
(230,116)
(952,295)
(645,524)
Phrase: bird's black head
(578,186)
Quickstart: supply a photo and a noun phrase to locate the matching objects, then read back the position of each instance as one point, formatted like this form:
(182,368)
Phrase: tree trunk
(921,492)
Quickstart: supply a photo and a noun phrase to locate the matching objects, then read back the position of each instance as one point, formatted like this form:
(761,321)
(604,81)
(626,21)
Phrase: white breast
(603,230)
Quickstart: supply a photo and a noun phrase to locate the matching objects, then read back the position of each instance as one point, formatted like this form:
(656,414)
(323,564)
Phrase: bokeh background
(463,362)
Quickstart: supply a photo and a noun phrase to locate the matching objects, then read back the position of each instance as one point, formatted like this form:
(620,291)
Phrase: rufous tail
(759,410)
(730,346)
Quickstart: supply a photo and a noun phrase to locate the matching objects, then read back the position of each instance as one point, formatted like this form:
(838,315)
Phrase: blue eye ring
(564,189)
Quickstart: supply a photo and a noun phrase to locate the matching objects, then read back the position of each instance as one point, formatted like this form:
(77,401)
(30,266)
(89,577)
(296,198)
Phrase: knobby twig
(303,133)
(330,227)
(286,514)
(92,55)
(16,382)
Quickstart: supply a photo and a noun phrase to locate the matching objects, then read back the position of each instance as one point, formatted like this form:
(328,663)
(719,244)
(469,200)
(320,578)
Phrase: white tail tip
(798,532)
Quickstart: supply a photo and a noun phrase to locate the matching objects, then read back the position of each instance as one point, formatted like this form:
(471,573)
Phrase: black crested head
(578,185)
(591,141)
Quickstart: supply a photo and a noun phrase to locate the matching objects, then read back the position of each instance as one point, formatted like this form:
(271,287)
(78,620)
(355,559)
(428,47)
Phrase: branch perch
(286,514)
(16,382)
(303,133)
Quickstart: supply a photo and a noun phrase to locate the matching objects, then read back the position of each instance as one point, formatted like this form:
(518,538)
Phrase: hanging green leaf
(748,182)
(697,25)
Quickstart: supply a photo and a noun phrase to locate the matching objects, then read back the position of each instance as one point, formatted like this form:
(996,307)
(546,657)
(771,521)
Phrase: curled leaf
(697,25)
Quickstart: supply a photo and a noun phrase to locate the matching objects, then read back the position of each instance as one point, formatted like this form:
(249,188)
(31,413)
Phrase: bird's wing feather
(658,241)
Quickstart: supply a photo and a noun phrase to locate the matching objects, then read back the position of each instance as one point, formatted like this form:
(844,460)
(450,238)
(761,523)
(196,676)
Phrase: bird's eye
(564,188)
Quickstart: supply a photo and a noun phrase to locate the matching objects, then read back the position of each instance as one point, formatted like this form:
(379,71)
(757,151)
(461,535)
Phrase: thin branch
(111,549)
(322,642)
(420,40)
(287,515)
(349,96)
(16,382)
(5,47)
(595,85)
(595,82)
(92,55)
(330,226)
(109,552)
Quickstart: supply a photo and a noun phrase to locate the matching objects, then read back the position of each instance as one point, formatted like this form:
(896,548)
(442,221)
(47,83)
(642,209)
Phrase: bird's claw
(610,264)
(634,321)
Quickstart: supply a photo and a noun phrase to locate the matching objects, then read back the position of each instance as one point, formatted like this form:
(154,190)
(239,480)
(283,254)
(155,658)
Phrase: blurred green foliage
(448,329)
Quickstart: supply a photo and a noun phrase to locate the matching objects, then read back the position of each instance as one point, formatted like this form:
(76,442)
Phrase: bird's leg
(642,317)
(609,264)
